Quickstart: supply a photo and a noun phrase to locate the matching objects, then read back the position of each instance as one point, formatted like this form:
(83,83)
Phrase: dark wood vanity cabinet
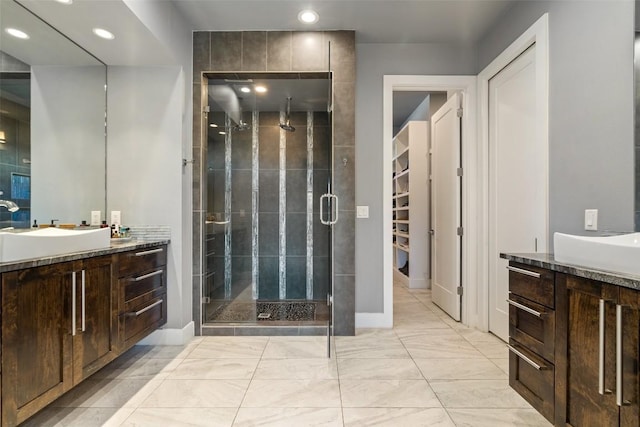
(593,374)
(57,329)
(63,322)
(142,283)
(532,336)
(600,378)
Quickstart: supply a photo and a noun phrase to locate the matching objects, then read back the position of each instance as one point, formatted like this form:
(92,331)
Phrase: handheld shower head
(287,124)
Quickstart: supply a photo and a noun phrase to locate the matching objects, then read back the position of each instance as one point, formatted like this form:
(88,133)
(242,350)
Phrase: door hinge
(205,300)
(460,231)
(459,172)
(459,290)
(459,112)
(206,109)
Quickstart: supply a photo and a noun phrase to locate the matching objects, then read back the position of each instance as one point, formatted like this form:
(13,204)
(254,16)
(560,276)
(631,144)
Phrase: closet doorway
(447,86)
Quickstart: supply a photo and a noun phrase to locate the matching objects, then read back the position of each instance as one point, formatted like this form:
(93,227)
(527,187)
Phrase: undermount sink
(612,253)
(46,242)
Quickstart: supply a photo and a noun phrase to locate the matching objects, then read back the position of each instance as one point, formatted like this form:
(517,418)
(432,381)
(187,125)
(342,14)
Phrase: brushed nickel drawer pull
(523,271)
(526,359)
(619,360)
(525,308)
(152,251)
(149,307)
(601,329)
(73,304)
(146,276)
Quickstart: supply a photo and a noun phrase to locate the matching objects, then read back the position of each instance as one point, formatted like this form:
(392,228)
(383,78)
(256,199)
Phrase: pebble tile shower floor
(427,371)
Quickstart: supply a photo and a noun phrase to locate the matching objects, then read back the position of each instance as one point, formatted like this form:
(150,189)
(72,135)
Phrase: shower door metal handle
(334,197)
(322,198)
(329,221)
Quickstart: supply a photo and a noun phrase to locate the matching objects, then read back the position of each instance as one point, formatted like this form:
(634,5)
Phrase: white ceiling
(375,21)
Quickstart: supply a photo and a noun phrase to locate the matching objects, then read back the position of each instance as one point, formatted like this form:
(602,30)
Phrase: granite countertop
(548,261)
(113,249)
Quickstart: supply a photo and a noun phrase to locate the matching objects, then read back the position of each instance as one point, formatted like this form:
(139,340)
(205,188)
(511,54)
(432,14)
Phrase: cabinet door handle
(152,251)
(526,359)
(73,303)
(84,300)
(525,308)
(147,308)
(619,390)
(523,271)
(146,276)
(601,347)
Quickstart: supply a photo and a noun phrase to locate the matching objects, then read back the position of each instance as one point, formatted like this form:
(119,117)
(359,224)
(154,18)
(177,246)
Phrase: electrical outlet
(115,218)
(96,217)
(591,219)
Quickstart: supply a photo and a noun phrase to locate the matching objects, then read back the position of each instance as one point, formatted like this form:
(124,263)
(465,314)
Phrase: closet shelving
(410,205)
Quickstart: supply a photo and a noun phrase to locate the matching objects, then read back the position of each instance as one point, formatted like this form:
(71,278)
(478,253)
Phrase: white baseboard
(374,320)
(170,336)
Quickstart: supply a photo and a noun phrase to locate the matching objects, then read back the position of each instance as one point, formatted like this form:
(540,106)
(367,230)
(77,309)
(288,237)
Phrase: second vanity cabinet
(600,354)
(63,322)
(589,373)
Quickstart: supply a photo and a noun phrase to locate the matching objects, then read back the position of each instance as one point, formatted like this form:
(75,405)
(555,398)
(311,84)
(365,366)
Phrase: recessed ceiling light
(17,33)
(245,89)
(222,132)
(308,16)
(65,1)
(213,125)
(260,89)
(101,32)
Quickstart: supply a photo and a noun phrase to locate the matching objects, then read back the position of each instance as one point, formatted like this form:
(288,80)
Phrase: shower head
(242,126)
(287,127)
(287,124)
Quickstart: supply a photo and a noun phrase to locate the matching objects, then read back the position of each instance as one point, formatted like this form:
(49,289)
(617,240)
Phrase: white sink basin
(612,253)
(46,242)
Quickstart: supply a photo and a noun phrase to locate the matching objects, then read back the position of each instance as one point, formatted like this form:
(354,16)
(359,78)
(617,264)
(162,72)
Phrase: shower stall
(269,201)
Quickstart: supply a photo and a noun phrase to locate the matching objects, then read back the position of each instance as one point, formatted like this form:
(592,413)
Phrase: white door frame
(467,85)
(538,33)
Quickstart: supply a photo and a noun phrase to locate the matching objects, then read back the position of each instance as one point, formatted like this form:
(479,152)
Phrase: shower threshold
(290,317)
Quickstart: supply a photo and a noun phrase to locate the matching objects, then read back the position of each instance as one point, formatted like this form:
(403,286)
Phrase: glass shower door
(269,158)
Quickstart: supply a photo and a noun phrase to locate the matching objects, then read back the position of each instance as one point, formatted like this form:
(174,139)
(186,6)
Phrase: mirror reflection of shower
(287,123)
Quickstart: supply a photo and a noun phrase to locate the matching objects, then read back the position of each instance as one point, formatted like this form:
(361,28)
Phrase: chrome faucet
(11,206)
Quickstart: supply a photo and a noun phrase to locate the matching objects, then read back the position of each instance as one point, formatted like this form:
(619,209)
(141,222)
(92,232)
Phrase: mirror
(52,124)
(636,86)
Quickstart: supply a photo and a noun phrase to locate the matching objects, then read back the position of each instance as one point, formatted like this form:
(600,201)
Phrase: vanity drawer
(533,378)
(143,260)
(139,321)
(140,284)
(533,283)
(532,325)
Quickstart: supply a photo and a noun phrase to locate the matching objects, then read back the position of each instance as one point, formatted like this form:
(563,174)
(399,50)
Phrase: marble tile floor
(427,371)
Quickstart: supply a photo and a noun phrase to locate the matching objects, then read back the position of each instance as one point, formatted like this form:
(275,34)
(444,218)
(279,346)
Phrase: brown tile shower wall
(285,51)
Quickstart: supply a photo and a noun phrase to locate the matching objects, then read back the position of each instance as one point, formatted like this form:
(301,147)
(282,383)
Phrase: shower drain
(264,315)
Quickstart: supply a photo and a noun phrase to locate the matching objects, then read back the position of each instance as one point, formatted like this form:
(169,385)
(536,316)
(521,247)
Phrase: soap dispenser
(35,224)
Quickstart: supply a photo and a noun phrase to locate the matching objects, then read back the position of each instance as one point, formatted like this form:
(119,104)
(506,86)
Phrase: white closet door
(517,179)
(446,207)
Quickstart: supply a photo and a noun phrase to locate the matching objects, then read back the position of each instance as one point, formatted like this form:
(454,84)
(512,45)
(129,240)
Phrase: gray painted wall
(591,157)
(373,62)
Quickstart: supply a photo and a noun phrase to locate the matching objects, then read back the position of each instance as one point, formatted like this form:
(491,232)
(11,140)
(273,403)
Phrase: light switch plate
(362,211)
(115,218)
(591,219)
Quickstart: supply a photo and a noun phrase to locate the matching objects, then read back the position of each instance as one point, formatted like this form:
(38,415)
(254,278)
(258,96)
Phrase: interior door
(446,187)
(517,179)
